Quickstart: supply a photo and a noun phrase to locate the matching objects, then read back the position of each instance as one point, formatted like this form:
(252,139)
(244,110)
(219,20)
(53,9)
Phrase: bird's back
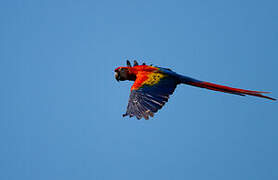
(180,78)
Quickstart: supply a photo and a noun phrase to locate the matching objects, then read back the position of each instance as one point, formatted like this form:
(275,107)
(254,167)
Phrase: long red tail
(226,89)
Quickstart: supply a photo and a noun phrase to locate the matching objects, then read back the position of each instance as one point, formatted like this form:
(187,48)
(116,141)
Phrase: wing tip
(146,115)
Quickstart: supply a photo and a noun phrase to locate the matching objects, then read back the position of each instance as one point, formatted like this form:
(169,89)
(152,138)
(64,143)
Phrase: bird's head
(125,73)
(122,74)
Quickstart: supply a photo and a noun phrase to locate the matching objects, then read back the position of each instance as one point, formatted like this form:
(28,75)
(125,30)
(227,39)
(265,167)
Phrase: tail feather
(226,89)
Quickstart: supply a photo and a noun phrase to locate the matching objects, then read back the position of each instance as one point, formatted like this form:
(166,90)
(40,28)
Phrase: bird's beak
(117,77)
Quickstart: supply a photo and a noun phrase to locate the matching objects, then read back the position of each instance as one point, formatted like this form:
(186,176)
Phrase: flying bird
(153,86)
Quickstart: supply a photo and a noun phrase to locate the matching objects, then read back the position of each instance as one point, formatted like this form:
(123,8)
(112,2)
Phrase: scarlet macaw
(154,85)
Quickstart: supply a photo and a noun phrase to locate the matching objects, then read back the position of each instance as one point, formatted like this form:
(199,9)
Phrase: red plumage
(154,85)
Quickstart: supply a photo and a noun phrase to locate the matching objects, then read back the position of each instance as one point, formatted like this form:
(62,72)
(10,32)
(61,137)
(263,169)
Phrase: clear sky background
(61,108)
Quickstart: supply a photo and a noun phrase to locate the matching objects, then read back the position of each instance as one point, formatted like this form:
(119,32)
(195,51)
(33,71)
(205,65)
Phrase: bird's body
(154,85)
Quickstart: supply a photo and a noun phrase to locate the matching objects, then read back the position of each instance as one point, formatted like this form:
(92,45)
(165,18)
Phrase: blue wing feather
(146,101)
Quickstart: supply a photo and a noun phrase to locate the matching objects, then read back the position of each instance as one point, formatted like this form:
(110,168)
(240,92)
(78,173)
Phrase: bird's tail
(221,88)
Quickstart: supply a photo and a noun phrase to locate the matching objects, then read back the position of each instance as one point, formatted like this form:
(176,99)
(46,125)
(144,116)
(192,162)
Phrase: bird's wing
(149,93)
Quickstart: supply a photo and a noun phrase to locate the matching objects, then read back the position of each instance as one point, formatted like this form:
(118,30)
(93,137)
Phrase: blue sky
(60,115)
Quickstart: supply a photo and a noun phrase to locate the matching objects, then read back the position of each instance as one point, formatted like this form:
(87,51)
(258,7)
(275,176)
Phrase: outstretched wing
(150,91)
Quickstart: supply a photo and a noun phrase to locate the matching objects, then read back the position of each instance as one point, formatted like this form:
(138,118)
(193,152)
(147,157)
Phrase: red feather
(221,88)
